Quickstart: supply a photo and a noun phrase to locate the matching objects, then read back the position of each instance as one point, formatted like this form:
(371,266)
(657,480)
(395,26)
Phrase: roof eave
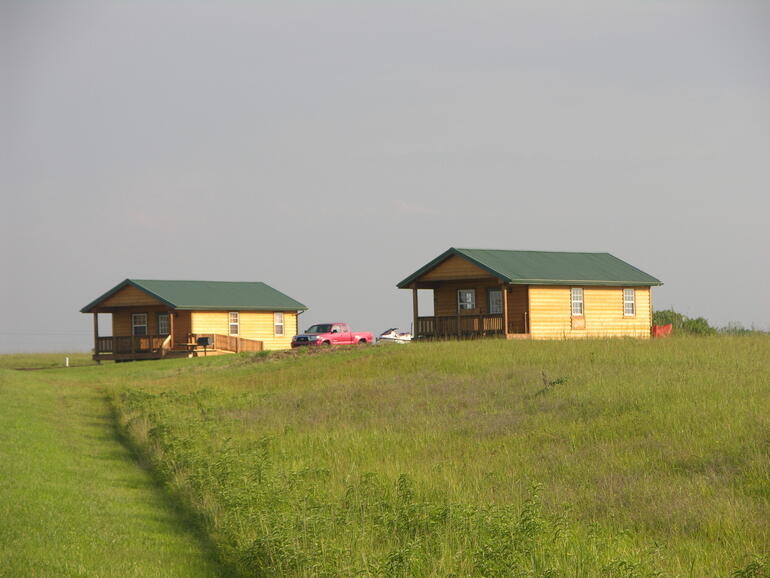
(91,306)
(589,282)
(237,308)
(443,257)
(153,294)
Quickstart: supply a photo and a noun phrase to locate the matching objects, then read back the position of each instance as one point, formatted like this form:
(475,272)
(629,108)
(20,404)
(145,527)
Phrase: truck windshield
(322,328)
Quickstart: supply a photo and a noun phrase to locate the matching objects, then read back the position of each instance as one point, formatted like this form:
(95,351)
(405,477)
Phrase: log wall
(252,325)
(454,268)
(550,313)
(445,297)
(129,296)
(121,320)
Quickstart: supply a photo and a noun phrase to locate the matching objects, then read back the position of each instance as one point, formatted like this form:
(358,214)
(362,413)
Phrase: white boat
(392,335)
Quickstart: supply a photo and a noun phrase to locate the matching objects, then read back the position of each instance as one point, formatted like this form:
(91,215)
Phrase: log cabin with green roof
(532,295)
(153,319)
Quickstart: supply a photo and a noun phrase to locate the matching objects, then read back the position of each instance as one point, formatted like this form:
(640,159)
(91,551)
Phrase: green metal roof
(546,268)
(209,295)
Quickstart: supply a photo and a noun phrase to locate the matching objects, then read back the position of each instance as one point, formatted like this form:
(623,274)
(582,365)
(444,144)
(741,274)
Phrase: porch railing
(160,345)
(230,342)
(120,345)
(459,325)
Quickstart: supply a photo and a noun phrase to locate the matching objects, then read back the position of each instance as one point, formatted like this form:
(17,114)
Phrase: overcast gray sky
(332,148)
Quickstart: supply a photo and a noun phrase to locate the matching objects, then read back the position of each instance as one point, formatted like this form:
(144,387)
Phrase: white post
(66,362)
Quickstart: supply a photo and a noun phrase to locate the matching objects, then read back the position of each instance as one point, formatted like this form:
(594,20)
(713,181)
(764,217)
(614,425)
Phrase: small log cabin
(153,319)
(532,295)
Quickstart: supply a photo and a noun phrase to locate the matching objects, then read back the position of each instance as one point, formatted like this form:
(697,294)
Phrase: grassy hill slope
(613,457)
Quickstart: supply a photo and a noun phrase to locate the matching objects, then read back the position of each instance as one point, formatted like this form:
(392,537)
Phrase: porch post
(96,333)
(171,328)
(505,310)
(526,311)
(415,311)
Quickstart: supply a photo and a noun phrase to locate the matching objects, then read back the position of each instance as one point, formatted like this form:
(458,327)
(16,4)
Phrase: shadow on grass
(183,515)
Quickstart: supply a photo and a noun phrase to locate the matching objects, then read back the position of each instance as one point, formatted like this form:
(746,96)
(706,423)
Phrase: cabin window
(495,301)
(138,324)
(163,324)
(466,299)
(278,323)
(629,302)
(234,325)
(577,301)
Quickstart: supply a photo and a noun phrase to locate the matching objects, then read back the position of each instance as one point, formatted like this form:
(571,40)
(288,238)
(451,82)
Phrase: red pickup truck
(330,334)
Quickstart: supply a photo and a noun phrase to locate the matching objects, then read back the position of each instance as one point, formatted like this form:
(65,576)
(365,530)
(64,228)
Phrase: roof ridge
(536,251)
(191,280)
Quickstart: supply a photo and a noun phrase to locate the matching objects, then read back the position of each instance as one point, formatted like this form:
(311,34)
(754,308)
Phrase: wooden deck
(140,347)
(464,327)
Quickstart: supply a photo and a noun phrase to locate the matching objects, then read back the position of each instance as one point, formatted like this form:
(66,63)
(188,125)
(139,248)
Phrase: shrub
(698,326)
(683,324)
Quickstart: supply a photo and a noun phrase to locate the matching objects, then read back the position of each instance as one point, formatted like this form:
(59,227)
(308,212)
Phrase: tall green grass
(616,457)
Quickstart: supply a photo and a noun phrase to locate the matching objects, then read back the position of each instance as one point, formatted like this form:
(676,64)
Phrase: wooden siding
(445,297)
(454,268)
(517,307)
(182,326)
(252,325)
(445,300)
(259,325)
(129,296)
(210,322)
(121,320)
(256,325)
(550,313)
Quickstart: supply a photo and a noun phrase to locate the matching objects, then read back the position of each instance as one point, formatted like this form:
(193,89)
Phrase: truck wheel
(327,343)
(362,341)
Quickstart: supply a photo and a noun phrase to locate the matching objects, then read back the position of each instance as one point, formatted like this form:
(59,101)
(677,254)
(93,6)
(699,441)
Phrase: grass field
(73,501)
(30,361)
(615,458)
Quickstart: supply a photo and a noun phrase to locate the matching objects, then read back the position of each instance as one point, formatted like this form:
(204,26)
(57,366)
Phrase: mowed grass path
(73,501)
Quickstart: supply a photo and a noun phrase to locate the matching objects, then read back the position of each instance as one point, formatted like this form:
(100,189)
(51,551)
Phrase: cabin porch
(138,347)
(157,333)
(466,327)
(473,308)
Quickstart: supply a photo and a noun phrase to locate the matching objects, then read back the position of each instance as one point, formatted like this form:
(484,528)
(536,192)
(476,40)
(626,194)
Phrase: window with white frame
(163,324)
(577,301)
(234,324)
(278,323)
(138,324)
(495,301)
(629,302)
(466,299)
